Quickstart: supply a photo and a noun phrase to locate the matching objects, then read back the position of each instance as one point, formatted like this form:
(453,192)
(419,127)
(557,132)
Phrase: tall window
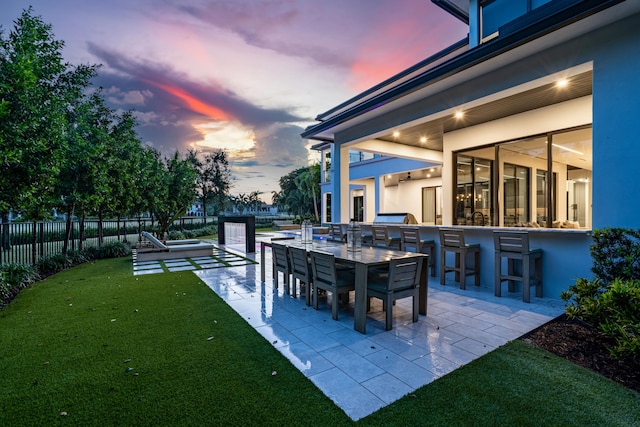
(327,207)
(528,194)
(516,195)
(326,165)
(473,189)
(496,13)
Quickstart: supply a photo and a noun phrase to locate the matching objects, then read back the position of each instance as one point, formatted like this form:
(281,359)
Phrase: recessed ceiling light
(396,134)
(459,114)
(562,83)
(423,139)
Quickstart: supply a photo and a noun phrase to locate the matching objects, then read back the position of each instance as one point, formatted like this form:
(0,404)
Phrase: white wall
(407,196)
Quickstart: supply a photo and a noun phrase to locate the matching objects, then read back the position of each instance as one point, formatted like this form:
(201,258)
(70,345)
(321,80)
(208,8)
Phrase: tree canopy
(36,88)
(300,192)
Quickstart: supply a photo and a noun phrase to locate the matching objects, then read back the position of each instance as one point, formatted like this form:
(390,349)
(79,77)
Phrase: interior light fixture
(562,83)
(562,147)
(459,115)
(396,134)
(423,139)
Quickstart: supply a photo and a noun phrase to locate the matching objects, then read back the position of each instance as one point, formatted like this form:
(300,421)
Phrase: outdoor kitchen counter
(565,256)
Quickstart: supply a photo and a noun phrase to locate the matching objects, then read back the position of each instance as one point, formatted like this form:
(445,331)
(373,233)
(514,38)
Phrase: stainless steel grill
(395,218)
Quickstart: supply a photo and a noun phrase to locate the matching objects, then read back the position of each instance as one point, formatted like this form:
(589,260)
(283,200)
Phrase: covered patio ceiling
(428,135)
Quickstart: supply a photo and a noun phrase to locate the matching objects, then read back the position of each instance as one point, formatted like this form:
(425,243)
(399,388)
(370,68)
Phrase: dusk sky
(243,75)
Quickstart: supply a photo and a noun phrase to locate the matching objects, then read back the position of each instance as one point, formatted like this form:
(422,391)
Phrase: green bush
(616,254)
(52,264)
(611,302)
(113,250)
(614,310)
(175,235)
(13,278)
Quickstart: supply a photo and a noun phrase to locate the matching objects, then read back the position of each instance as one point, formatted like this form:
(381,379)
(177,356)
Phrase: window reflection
(528,196)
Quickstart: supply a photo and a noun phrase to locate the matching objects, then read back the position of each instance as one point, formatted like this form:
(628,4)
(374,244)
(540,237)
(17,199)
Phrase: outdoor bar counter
(565,253)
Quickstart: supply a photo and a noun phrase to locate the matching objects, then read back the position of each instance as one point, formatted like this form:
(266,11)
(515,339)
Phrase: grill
(395,218)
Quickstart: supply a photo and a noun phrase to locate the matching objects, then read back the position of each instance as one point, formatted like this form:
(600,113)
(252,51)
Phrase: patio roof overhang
(569,24)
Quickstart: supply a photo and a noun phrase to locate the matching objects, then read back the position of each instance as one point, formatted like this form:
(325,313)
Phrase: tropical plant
(36,89)
(611,301)
(214,178)
(176,191)
(300,192)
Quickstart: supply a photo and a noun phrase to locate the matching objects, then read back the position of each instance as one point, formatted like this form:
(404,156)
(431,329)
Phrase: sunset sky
(243,75)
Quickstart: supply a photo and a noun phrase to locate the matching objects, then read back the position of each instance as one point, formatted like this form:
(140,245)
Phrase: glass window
(538,3)
(496,13)
(528,195)
(573,160)
(474,189)
(542,198)
(327,207)
(516,196)
(326,164)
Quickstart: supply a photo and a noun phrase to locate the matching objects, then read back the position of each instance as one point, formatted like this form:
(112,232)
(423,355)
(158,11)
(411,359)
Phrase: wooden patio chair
(326,276)
(401,281)
(301,271)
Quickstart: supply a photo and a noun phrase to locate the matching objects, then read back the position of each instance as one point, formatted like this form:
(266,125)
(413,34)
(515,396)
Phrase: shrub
(614,310)
(175,235)
(611,302)
(77,257)
(113,250)
(13,278)
(616,254)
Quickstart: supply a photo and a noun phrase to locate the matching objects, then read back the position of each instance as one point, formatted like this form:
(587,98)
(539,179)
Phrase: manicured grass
(67,343)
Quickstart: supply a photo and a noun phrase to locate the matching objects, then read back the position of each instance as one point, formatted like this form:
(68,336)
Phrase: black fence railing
(17,238)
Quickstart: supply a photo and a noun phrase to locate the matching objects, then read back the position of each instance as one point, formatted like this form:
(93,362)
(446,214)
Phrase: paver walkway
(363,373)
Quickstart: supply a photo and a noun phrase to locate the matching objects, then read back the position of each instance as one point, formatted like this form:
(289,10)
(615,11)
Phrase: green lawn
(107,348)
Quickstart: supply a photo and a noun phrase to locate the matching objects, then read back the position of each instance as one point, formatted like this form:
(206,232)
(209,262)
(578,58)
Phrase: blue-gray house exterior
(472,132)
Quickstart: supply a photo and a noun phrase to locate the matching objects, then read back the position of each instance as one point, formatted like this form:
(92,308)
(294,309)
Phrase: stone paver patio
(363,373)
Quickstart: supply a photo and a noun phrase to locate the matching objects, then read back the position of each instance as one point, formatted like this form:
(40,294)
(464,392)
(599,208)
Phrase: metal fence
(16,238)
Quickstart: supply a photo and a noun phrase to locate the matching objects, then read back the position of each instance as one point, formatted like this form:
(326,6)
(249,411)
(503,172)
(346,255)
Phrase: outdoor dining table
(362,260)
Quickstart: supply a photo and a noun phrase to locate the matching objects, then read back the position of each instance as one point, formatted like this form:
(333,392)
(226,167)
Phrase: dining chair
(401,281)
(281,264)
(452,240)
(327,277)
(301,271)
(337,233)
(380,238)
(514,246)
(410,242)
(367,234)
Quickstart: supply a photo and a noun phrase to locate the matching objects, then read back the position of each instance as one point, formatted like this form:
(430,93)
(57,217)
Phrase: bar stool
(453,241)
(380,237)
(410,239)
(514,246)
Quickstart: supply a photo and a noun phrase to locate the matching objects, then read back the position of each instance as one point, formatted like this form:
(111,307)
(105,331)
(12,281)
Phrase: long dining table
(363,260)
